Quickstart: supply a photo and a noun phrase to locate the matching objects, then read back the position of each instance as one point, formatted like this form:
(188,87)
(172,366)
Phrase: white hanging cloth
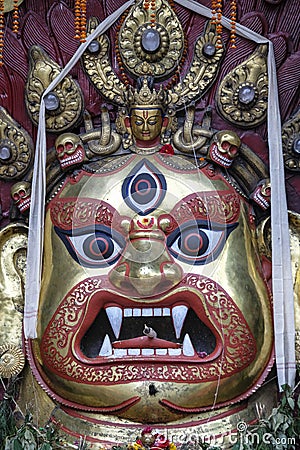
(37,206)
(282,280)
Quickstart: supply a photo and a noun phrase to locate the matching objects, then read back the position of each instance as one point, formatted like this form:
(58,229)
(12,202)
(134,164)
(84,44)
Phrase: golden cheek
(229,304)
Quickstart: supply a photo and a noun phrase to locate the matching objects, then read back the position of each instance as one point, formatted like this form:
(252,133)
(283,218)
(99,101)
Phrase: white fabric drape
(282,281)
(37,207)
(282,274)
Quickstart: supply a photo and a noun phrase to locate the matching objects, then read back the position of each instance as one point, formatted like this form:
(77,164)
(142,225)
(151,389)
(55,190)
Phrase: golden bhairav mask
(153,296)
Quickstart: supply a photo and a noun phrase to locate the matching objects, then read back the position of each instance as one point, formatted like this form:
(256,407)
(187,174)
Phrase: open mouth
(171,331)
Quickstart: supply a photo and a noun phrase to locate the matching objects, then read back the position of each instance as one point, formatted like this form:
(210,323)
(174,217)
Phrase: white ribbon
(37,207)
(282,280)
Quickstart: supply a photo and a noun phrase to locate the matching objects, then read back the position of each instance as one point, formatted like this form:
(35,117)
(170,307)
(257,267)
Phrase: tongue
(145,342)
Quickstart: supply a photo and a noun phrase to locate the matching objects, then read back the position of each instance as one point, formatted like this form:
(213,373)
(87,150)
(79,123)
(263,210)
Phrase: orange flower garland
(216,19)
(80,20)
(1,31)
(16,17)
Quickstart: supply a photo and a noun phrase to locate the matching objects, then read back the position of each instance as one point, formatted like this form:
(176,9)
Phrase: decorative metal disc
(12,360)
(151,46)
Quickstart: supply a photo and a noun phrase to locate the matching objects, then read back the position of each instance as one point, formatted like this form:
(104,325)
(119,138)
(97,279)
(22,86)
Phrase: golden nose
(146,268)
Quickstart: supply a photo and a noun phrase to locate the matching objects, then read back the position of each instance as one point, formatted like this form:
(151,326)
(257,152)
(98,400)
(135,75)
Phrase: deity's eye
(139,122)
(152,121)
(198,242)
(97,247)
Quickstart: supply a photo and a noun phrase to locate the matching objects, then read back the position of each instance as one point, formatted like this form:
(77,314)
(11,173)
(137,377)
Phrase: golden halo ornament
(12,360)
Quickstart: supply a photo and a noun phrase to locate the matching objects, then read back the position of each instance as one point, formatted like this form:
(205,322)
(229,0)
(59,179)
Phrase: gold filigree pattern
(222,208)
(291,143)
(13,246)
(64,106)
(69,213)
(163,59)
(16,148)
(203,70)
(204,67)
(239,344)
(98,68)
(242,98)
(12,360)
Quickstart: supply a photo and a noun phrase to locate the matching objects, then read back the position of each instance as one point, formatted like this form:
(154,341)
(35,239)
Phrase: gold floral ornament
(16,148)
(64,105)
(151,40)
(242,98)
(12,360)
(200,76)
(291,143)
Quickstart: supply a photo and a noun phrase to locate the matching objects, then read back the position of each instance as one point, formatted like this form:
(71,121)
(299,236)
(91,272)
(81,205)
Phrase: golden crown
(145,94)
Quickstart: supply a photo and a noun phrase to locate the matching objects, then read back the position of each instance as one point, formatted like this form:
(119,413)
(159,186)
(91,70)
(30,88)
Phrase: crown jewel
(145,94)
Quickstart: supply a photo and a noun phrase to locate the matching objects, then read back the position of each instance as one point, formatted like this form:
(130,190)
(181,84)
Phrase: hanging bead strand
(2,24)
(77,20)
(213,12)
(83,21)
(16,17)
(233,24)
(219,23)
(153,13)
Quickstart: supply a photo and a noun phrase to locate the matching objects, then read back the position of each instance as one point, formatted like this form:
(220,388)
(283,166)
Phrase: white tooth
(161,351)
(147,312)
(127,312)
(179,315)
(120,352)
(147,351)
(166,311)
(106,349)
(187,346)
(114,315)
(134,351)
(157,312)
(136,312)
(174,351)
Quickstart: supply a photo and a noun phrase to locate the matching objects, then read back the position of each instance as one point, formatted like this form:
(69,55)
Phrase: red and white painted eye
(197,243)
(144,188)
(94,248)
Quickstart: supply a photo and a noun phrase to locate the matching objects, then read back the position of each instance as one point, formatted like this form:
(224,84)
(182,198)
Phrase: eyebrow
(72,212)
(220,207)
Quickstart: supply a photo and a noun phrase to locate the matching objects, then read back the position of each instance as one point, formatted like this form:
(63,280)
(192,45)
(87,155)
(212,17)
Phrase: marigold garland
(216,19)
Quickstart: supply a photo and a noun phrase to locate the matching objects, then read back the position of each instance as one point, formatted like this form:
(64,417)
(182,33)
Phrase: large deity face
(153,301)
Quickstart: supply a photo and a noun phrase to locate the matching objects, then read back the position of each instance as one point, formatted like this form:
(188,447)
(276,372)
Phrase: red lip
(96,335)
(117,324)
